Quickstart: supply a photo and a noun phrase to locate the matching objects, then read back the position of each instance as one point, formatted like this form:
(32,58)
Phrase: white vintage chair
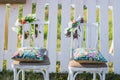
(42,66)
(76,67)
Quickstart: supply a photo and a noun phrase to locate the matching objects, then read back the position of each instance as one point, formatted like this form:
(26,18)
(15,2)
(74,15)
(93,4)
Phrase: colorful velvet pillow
(88,56)
(30,54)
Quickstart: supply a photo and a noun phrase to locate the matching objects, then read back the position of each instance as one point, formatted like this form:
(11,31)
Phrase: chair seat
(41,66)
(76,64)
(46,61)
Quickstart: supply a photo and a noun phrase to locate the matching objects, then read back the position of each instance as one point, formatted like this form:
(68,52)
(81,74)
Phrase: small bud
(82,20)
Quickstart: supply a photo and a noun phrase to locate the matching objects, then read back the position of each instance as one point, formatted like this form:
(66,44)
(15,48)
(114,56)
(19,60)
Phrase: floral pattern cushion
(29,54)
(88,55)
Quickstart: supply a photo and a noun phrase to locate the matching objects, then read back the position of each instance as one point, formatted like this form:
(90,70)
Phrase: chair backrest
(31,35)
(87,37)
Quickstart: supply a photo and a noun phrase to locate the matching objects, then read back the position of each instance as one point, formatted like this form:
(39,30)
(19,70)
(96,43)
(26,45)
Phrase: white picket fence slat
(91,5)
(116,32)
(12,36)
(78,8)
(40,14)
(104,27)
(2,21)
(65,18)
(52,33)
(78,13)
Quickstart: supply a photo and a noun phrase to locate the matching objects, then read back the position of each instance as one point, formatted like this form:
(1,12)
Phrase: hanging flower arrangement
(20,22)
(24,20)
(72,26)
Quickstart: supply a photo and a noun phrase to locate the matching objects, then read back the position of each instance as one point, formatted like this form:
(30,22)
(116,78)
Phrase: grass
(8,75)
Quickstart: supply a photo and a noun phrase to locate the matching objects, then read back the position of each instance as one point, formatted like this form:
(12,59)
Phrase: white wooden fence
(63,56)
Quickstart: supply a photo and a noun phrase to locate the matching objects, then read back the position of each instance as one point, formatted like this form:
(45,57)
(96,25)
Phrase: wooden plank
(104,28)
(12,42)
(7,56)
(65,42)
(12,36)
(116,41)
(1,60)
(52,34)
(78,8)
(91,19)
(2,24)
(40,14)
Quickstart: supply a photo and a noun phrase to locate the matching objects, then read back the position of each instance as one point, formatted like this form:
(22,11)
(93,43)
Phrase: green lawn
(8,75)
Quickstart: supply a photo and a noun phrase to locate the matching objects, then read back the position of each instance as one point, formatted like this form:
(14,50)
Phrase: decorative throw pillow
(88,56)
(29,54)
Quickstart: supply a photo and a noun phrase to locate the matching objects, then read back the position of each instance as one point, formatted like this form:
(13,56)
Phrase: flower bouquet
(72,26)
(24,20)
(29,19)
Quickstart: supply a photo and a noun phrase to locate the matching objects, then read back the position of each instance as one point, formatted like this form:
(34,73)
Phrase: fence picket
(78,8)
(104,28)
(91,19)
(2,22)
(1,60)
(78,13)
(116,24)
(65,46)
(40,13)
(12,36)
(52,34)
(27,9)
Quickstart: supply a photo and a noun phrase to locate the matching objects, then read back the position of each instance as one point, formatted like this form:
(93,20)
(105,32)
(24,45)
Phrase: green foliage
(20,11)
(59,23)
(110,30)
(33,8)
(46,13)
(59,6)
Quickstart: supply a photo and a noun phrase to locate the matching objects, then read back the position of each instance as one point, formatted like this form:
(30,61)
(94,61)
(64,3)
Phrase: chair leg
(15,74)
(47,74)
(103,76)
(94,76)
(70,76)
(23,75)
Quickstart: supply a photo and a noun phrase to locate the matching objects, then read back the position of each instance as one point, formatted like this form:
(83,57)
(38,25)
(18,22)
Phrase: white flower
(70,24)
(79,18)
(66,30)
(17,23)
(15,29)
